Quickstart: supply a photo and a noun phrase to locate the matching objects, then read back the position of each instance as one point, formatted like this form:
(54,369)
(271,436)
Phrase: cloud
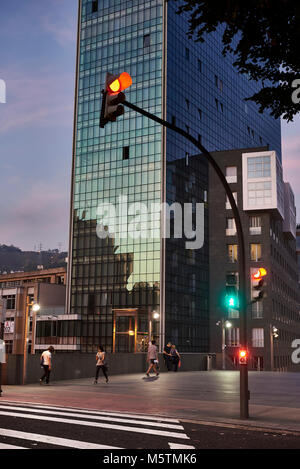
(45,98)
(63,30)
(42,214)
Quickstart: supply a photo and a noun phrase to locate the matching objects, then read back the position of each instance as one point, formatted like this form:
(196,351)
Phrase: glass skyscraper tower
(126,290)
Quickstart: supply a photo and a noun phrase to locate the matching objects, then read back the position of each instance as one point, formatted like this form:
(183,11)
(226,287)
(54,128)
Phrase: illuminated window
(232,252)
(255,252)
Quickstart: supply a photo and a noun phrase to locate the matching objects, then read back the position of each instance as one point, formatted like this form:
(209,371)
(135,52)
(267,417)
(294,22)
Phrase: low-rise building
(21,290)
(268,216)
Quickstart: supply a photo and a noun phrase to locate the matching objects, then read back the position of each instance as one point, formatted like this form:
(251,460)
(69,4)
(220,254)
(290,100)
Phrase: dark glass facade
(117,284)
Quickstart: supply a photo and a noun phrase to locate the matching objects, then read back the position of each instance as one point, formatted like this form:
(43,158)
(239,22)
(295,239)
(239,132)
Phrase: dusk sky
(38,45)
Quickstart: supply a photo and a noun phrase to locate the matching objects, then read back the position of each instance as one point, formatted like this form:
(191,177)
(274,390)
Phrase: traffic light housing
(231,297)
(258,284)
(113,97)
(243,357)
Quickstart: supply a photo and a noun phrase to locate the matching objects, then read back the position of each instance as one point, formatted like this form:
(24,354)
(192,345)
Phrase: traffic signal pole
(244,392)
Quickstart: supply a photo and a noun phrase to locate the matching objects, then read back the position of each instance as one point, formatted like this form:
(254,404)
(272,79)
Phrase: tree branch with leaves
(263,36)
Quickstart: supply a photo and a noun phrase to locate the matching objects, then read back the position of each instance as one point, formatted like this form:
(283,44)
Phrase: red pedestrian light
(243,355)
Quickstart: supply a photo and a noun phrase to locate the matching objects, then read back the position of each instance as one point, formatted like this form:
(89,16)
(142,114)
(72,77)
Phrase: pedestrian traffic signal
(243,356)
(113,97)
(231,297)
(258,284)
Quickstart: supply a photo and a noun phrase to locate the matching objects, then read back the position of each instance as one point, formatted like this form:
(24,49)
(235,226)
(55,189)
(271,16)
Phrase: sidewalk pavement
(206,397)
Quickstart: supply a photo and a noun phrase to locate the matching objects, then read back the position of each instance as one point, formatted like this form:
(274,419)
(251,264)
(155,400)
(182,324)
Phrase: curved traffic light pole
(244,392)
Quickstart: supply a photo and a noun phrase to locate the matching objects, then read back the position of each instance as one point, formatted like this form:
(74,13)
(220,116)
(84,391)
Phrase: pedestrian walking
(46,364)
(175,357)
(152,358)
(101,364)
(167,356)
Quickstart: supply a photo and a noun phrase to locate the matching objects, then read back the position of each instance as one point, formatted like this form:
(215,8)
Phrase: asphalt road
(52,427)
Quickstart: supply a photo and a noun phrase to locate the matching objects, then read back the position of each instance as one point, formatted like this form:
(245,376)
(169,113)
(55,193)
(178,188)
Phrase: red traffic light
(119,83)
(261,272)
(243,355)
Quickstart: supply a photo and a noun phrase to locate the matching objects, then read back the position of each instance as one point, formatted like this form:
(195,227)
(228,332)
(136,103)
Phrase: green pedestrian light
(231,297)
(231,302)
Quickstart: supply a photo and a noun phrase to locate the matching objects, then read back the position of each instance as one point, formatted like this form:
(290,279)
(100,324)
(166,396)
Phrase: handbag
(42,362)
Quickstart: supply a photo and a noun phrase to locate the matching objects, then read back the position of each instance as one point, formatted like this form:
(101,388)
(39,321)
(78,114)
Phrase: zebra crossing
(37,426)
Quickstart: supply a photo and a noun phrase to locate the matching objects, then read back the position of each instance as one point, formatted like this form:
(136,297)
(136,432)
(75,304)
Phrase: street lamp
(153,315)
(35,308)
(225,325)
(273,335)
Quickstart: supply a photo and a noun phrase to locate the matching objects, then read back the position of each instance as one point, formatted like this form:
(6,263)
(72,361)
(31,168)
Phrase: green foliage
(263,36)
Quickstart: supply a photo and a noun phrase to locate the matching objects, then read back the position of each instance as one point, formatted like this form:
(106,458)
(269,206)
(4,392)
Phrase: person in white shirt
(46,363)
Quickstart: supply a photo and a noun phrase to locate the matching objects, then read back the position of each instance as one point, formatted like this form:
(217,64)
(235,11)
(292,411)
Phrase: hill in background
(13,259)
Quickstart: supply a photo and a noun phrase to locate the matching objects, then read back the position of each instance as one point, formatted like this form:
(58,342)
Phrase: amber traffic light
(258,284)
(259,274)
(113,97)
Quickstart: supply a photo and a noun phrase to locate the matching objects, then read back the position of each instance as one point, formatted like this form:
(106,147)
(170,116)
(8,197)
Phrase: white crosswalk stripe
(52,440)
(148,425)
(114,414)
(97,417)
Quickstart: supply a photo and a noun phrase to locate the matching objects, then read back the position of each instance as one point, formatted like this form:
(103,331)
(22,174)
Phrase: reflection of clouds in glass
(135,229)
(144,270)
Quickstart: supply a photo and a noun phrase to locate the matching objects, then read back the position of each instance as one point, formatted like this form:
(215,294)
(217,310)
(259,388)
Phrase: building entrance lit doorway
(125,331)
(128,335)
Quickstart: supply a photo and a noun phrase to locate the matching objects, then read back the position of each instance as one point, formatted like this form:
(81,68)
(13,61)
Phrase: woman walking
(101,364)
(152,358)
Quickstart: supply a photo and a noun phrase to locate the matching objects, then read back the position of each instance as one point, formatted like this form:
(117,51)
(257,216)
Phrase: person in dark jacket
(175,357)
(167,356)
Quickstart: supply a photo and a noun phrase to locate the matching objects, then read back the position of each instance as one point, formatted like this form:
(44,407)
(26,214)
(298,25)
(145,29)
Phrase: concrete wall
(81,365)
(51,295)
